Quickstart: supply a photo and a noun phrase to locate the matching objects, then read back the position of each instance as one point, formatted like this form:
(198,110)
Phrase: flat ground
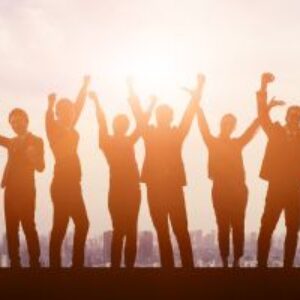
(150,284)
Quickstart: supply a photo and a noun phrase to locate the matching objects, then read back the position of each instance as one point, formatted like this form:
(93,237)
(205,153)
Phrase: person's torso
(225,160)
(120,155)
(19,171)
(282,156)
(163,161)
(64,144)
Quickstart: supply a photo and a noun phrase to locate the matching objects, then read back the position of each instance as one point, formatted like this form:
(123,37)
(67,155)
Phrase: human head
(65,112)
(293,116)
(164,115)
(120,124)
(227,125)
(18,120)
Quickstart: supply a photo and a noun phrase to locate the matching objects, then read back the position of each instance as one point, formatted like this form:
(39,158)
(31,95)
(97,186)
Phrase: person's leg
(272,211)
(131,231)
(159,216)
(116,248)
(29,227)
(12,228)
(222,219)
(178,218)
(60,223)
(58,232)
(131,246)
(292,218)
(81,222)
(238,223)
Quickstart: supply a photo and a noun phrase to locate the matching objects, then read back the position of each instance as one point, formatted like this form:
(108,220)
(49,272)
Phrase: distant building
(107,238)
(145,248)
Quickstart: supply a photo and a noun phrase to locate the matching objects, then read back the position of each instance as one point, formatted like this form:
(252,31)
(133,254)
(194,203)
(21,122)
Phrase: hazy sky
(48,45)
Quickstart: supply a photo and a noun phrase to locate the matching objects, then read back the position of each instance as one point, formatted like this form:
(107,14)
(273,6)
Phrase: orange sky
(49,45)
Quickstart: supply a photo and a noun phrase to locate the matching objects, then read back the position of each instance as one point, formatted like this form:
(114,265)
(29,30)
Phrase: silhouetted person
(124,195)
(66,191)
(229,192)
(164,174)
(25,156)
(281,168)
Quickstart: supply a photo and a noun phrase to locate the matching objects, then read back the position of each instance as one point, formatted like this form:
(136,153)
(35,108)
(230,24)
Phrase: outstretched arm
(4,141)
(191,109)
(203,126)
(79,103)
(103,131)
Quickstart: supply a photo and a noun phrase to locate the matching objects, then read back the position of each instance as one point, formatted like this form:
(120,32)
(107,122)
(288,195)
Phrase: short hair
(294,109)
(20,112)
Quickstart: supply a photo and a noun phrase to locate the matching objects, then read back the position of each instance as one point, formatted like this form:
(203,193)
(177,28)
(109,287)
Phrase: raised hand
(196,93)
(93,96)
(51,100)
(130,86)
(86,80)
(275,102)
(266,78)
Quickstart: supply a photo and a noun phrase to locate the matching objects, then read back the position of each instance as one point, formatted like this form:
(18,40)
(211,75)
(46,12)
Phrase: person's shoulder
(36,139)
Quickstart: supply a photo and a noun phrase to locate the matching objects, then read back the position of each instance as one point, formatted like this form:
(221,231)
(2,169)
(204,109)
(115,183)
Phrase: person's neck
(23,135)
(224,136)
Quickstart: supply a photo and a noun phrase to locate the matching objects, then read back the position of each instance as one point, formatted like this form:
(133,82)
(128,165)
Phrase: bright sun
(154,71)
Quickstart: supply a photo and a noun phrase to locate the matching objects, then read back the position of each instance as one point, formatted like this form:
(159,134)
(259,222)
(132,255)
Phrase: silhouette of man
(25,156)
(124,195)
(66,191)
(164,175)
(281,168)
(229,192)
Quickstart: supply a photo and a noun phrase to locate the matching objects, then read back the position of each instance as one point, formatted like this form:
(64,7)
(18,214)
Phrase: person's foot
(261,266)
(225,263)
(15,265)
(236,263)
(35,264)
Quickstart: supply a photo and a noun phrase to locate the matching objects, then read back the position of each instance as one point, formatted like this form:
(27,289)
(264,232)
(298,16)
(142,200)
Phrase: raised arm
(249,133)
(140,116)
(191,109)
(103,131)
(203,126)
(143,120)
(50,120)
(134,101)
(80,100)
(262,105)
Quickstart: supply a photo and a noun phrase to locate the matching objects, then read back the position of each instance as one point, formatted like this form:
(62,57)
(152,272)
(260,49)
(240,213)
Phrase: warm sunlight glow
(154,69)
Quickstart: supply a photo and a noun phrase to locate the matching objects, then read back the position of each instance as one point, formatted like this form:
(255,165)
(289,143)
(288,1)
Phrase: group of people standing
(163,174)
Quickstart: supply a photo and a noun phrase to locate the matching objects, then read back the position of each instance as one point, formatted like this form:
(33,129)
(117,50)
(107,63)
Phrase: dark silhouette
(66,185)
(163,172)
(229,192)
(281,168)
(124,195)
(25,156)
